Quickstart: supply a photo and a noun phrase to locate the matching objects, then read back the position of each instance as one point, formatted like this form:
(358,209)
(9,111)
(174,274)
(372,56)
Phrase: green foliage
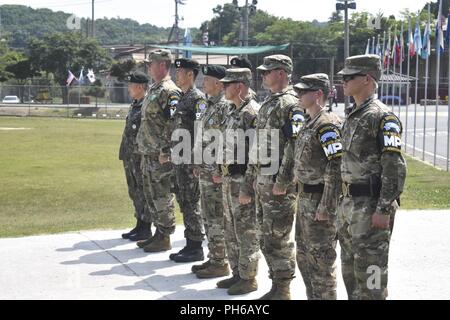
(60,52)
(121,69)
(22,22)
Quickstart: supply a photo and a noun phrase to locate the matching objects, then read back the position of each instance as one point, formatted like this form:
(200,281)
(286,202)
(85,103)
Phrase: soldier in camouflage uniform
(241,226)
(154,140)
(279,114)
(373,172)
(189,109)
(210,192)
(132,159)
(317,155)
(242,62)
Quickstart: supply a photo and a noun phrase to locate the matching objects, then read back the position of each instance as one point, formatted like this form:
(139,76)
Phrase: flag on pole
(378,49)
(426,49)
(396,51)
(439,36)
(418,39)
(188,43)
(70,78)
(91,76)
(368,47)
(447,32)
(81,78)
(401,49)
(411,46)
(387,52)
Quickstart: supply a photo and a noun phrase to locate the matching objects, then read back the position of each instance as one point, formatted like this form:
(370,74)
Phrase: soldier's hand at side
(196,172)
(244,199)
(321,216)
(380,221)
(163,159)
(217,179)
(278,190)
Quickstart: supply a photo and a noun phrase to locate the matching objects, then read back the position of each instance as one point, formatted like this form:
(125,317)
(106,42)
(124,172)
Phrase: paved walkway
(100,265)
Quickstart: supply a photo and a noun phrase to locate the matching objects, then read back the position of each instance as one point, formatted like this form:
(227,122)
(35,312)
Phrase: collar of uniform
(137,103)
(311,121)
(159,84)
(216,99)
(356,108)
(244,103)
(282,92)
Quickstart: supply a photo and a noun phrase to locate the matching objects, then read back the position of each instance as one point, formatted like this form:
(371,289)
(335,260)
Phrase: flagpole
(408,85)
(426,84)
(415,103)
(394,52)
(448,111)
(448,94)
(438,67)
(388,64)
(401,74)
(383,70)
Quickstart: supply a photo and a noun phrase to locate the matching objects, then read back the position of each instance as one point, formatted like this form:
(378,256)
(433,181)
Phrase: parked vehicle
(11,100)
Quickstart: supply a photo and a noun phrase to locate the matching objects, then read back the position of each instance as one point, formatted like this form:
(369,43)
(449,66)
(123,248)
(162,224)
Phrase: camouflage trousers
(212,213)
(187,193)
(157,191)
(276,217)
(133,174)
(364,250)
(241,230)
(316,249)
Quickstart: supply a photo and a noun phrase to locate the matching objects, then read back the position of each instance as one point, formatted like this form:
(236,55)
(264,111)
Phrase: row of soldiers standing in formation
(338,180)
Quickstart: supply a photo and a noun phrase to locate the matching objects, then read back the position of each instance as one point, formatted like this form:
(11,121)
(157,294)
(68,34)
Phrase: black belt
(233,169)
(312,188)
(361,190)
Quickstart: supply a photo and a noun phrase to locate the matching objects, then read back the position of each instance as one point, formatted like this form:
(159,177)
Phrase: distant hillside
(21,22)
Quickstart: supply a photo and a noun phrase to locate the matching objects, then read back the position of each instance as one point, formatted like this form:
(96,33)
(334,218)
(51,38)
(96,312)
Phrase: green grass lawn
(64,175)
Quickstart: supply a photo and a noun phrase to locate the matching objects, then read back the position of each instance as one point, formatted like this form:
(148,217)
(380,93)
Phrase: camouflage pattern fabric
(371,138)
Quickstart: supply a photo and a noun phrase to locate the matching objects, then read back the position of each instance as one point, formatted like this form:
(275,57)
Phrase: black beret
(137,77)
(241,63)
(214,70)
(184,63)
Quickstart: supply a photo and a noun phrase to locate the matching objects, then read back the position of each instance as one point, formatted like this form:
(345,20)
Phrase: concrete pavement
(100,265)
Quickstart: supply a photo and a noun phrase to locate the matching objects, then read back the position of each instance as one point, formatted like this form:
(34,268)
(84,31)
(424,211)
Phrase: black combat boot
(143,233)
(191,253)
(128,234)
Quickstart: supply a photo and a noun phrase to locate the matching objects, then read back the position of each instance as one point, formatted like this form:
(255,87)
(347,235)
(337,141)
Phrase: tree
(121,69)
(61,52)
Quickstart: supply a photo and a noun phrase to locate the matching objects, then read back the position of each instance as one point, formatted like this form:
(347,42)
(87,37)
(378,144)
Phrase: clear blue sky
(161,12)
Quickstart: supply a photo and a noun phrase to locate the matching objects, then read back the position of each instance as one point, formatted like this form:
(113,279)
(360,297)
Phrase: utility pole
(93,19)
(345,5)
(244,19)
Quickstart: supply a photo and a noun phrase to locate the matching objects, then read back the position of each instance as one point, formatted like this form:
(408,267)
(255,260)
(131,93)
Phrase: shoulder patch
(200,108)
(390,134)
(330,139)
(172,103)
(295,122)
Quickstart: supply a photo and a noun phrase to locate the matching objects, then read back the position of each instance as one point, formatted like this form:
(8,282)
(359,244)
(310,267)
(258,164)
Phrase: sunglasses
(348,78)
(305,91)
(266,72)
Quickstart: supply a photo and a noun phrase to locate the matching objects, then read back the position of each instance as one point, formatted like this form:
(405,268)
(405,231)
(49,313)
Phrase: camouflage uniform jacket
(317,155)
(189,109)
(371,140)
(160,103)
(242,118)
(129,144)
(213,118)
(279,111)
